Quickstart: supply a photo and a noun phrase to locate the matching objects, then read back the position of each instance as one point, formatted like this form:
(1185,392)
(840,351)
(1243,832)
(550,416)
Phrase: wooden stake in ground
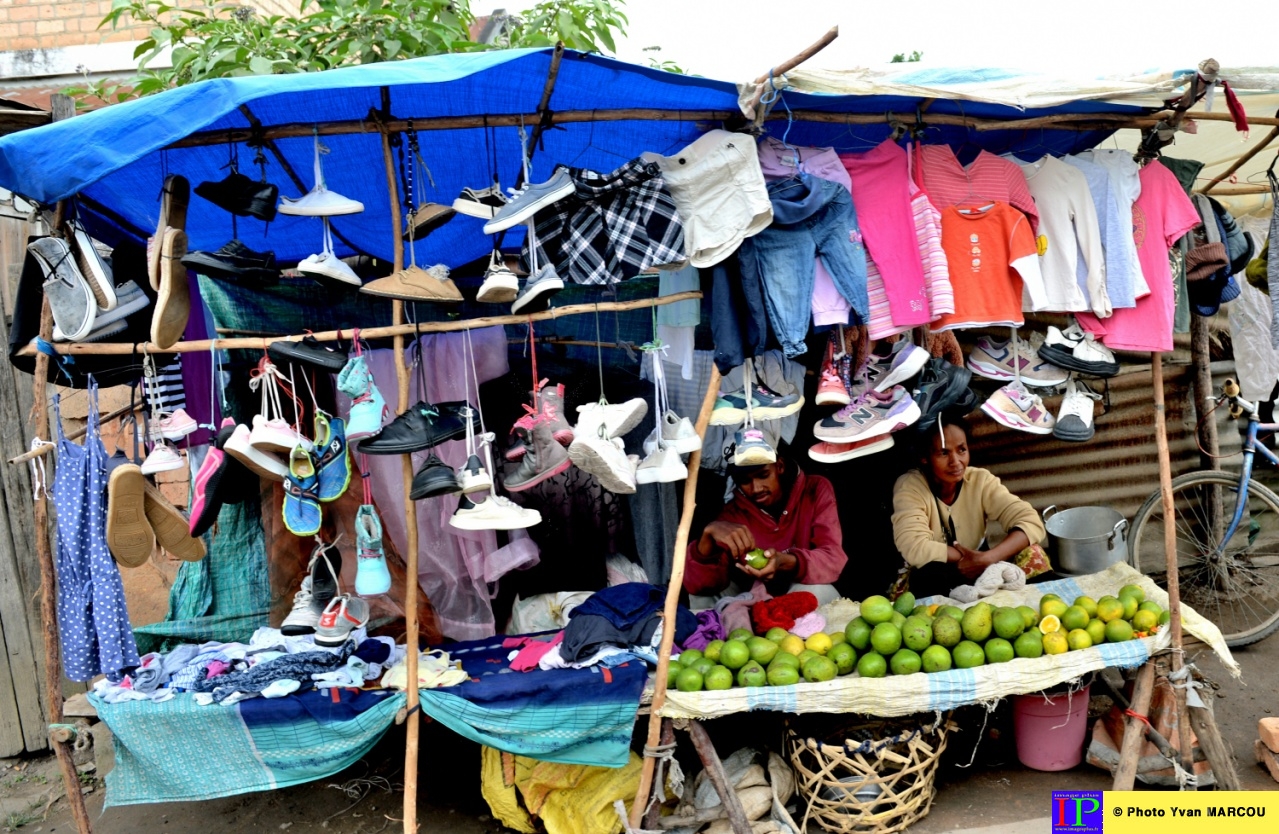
(672,602)
(1184,743)
(1134,735)
(63,108)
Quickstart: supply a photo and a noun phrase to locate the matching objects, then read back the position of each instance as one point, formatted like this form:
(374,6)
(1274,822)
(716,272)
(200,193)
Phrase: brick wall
(28,24)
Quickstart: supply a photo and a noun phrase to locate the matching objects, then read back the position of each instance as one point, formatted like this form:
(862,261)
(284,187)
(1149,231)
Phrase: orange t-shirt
(991,251)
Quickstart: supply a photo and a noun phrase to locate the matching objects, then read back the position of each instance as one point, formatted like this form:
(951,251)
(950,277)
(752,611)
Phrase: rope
(39,476)
(665,756)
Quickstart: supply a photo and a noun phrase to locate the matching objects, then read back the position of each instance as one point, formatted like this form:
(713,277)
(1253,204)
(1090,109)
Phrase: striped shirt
(987,178)
(941,298)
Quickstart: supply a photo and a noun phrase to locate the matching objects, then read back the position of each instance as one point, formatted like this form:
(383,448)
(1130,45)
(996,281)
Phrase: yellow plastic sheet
(568,799)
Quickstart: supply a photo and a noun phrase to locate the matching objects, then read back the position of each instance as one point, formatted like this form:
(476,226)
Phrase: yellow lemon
(1079,639)
(1088,604)
(791,645)
(819,642)
(1055,607)
(932,609)
(1055,643)
(1050,624)
(1109,608)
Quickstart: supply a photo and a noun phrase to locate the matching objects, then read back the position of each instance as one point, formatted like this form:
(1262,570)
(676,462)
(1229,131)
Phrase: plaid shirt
(615,226)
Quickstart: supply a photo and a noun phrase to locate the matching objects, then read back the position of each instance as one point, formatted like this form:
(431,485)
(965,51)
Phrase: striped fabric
(165,391)
(985,178)
(941,298)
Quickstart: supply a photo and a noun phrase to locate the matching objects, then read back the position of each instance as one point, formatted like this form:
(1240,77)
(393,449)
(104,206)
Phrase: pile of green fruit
(903,638)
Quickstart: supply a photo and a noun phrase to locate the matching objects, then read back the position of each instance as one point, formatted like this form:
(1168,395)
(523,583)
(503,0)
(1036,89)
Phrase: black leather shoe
(236,262)
(424,425)
(434,478)
(242,196)
(322,355)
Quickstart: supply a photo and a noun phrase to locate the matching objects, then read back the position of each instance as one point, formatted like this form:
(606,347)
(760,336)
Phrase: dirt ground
(367,798)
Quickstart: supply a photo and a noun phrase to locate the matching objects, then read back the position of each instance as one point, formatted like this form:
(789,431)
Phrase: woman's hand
(972,562)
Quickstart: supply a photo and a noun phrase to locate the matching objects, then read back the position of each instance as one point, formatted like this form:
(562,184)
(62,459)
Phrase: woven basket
(875,776)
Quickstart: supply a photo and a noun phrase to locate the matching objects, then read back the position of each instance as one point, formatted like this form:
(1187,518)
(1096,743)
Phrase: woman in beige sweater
(941,511)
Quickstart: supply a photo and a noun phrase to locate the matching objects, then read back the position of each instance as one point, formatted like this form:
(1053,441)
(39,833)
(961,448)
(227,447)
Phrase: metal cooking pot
(1086,539)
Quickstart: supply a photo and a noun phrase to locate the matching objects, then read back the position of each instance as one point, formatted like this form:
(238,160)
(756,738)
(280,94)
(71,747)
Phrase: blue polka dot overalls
(92,619)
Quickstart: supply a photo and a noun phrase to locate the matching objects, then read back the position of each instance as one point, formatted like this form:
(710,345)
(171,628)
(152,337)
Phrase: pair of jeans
(739,323)
(811,217)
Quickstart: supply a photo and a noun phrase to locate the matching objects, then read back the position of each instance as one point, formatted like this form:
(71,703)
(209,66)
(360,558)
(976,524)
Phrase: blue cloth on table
(571,716)
(255,745)
(630,603)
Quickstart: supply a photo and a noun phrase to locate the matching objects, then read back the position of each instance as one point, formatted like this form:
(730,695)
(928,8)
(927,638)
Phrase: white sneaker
(616,418)
(474,477)
(303,618)
(1075,350)
(662,466)
(494,513)
(1074,420)
(605,459)
(276,435)
(501,285)
(163,458)
(329,265)
(677,433)
(265,464)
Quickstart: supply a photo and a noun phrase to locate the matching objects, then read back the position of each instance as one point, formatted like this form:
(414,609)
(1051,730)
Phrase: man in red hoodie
(791,516)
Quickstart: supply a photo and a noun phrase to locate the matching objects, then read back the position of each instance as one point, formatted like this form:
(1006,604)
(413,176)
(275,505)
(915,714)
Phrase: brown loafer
(129,534)
(172,530)
(173,305)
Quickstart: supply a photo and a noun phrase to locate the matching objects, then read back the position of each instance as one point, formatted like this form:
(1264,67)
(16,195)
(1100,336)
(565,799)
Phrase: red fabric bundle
(783,611)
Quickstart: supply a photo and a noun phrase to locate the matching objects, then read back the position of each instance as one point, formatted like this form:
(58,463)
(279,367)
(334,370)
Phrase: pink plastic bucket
(1050,731)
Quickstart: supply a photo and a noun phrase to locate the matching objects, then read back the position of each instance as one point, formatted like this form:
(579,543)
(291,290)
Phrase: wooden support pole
(1199,356)
(399,329)
(785,67)
(1184,743)
(672,602)
(1225,775)
(1130,748)
(74,435)
(1241,190)
(719,779)
(1242,160)
(63,108)
(653,814)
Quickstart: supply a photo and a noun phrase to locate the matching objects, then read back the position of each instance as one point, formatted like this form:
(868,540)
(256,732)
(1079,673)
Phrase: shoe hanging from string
(656,350)
(472,382)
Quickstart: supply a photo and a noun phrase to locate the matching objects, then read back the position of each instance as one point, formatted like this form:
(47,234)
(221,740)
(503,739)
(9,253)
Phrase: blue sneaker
(332,463)
(730,409)
(371,576)
(301,500)
(368,408)
(751,449)
(531,199)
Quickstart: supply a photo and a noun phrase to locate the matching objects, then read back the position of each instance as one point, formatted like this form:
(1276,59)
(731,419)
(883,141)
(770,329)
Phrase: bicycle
(1227,527)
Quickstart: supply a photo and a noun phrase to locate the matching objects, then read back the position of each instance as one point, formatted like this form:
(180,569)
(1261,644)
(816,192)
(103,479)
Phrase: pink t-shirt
(1161,215)
(985,178)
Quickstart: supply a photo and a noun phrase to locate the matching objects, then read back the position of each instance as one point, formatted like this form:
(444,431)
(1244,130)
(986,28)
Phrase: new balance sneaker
(1019,409)
(1075,350)
(830,386)
(662,466)
(839,452)
(605,458)
(483,203)
(529,200)
(493,513)
(618,419)
(905,361)
(500,284)
(371,574)
(730,409)
(677,433)
(751,449)
(163,458)
(341,616)
(766,404)
(998,360)
(1074,418)
(873,415)
(474,477)
(546,281)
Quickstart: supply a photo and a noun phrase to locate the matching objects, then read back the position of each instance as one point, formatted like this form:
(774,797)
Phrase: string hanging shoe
(368,407)
(318,587)
(320,201)
(501,285)
(301,510)
(1075,417)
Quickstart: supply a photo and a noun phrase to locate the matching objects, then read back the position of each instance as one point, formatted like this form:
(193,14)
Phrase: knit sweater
(808,527)
(919,517)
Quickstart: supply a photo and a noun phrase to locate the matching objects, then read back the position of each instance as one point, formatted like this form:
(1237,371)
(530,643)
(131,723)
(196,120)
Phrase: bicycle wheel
(1238,589)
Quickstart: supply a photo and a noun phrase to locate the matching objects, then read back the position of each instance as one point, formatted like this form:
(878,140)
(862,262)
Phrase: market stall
(390,145)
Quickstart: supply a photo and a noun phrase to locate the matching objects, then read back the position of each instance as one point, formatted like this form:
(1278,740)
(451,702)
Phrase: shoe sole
(755,457)
(475,523)
(129,535)
(542,287)
(728,416)
(175,200)
(408,448)
(832,398)
(171,528)
(91,267)
(1070,363)
(1004,419)
(501,291)
(260,463)
(207,504)
(484,486)
(1062,431)
(989,371)
(638,410)
(297,630)
(879,445)
(585,458)
(685,446)
(559,469)
(531,208)
(666,475)
(173,304)
(892,424)
(473,209)
(154,468)
(331,640)
(775,412)
(914,363)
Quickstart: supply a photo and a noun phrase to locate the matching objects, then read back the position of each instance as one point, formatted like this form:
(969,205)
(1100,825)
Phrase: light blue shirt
(1116,240)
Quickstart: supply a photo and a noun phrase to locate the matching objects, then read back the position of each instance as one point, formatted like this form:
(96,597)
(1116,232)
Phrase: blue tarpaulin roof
(117,157)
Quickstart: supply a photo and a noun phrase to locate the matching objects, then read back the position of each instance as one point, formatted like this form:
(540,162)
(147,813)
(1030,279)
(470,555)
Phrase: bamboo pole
(1170,560)
(62,107)
(75,435)
(1241,190)
(672,601)
(1242,160)
(399,329)
(784,67)
(1130,747)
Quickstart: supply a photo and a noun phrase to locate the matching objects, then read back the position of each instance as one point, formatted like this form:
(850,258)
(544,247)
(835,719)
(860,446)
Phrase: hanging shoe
(942,387)
(1075,418)
(662,466)
(551,401)
(839,452)
(129,535)
(605,458)
(173,304)
(310,352)
(677,433)
(545,458)
(618,419)
(301,510)
(368,408)
(434,479)
(493,513)
(873,415)
(174,200)
(483,203)
(276,435)
(325,570)
(343,615)
(266,465)
(171,528)
(542,283)
(130,299)
(1002,361)
(239,483)
(71,300)
(163,458)
(241,196)
(730,408)
(1019,409)
(235,262)
(206,499)
(422,426)
(1075,350)
(96,271)
(320,202)
(772,405)
(500,284)
(174,426)
(329,265)
(416,284)
(531,199)
(371,575)
(425,219)
(751,449)
(519,444)
(902,363)
(830,387)
(474,477)
(332,463)
(303,618)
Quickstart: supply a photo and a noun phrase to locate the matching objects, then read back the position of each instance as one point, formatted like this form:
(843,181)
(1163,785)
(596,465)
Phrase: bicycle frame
(1250,448)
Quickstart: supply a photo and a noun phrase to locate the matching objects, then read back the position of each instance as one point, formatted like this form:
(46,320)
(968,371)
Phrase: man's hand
(735,539)
(783,563)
